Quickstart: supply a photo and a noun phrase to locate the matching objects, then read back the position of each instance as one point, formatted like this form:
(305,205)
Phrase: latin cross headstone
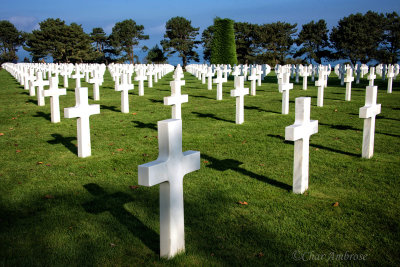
(349,78)
(253,79)
(390,75)
(209,75)
(124,88)
(54,93)
(239,92)
(168,171)
(321,84)
(96,81)
(40,83)
(219,80)
(141,78)
(176,99)
(82,111)
(371,77)
(368,113)
(305,73)
(300,133)
(284,87)
(77,76)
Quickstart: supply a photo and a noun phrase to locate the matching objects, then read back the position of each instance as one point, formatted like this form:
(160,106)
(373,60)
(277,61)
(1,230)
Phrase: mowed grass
(60,210)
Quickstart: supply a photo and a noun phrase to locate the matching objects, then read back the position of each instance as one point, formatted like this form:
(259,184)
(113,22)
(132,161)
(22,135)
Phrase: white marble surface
(39,84)
(168,171)
(124,88)
(284,87)
(54,93)
(239,92)
(176,99)
(82,111)
(300,133)
(368,113)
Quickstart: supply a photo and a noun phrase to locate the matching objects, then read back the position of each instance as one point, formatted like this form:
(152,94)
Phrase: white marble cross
(176,99)
(368,113)
(284,87)
(239,92)
(300,133)
(390,75)
(54,92)
(305,73)
(321,84)
(209,75)
(219,80)
(40,83)
(77,76)
(349,78)
(371,77)
(124,87)
(141,78)
(253,78)
(168,171)
(82,111)
(96,81)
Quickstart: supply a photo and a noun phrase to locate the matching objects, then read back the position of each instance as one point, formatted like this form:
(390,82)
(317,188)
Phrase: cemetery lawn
(60,210)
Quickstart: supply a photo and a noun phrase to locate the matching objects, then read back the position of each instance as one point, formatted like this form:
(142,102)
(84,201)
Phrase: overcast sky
(153,14)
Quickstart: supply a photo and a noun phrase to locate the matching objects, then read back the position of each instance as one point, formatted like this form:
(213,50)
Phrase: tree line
(356,38)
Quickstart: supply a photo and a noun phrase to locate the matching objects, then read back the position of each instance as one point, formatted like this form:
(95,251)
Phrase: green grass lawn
(60,210)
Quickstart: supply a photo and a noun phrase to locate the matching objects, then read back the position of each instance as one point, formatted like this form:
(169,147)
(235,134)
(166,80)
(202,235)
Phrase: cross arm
(370,111)
(298,131)
(153,173)
(191,161)
(172,100)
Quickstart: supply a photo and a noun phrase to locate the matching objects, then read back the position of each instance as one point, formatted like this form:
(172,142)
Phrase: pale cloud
(108,28)
(24,23)
(156,29)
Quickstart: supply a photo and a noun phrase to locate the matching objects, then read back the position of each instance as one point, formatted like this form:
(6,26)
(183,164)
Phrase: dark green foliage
(125,35)
(62,42)
(180,38)
(389,51)
(10,39)
(156,55)
(223,47)
(275,41)
(357,37)
(206,38)
(314,41)
(245,38)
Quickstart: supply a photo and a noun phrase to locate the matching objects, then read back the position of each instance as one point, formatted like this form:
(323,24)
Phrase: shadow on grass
(39,114)
(156,101)
(260,109)
(201,96)
(140,124)
(232,164)
(317,146)
(24,93)
(209,115)
(346,127)
(32,101)
(114,204)
(65,141)
(112,108)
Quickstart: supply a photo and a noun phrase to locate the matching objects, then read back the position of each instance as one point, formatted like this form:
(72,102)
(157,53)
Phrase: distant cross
(141,78)
(390,75)
(209,75)
(305,73)
(349,78)
(82,111)
(176,99)
(321,84)
(54,93)
(342,71)
(168,171)
(77,76)
(96,81)
(259,73)
(40,83)
(219,80)
(226,72)
(358,73)
(239,92)
(253,78)
(371,77)
(150,74)
(368,113)
(300,133)
(298,67)
(65,74)
(124,87)
(284,87)
(29,83)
